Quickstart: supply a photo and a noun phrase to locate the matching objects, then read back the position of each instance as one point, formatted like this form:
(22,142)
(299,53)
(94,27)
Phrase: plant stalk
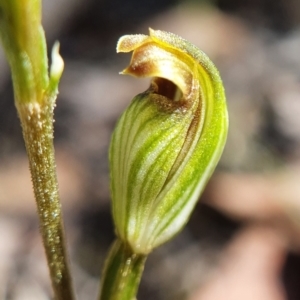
(122,273)
(37,124)
(35,90)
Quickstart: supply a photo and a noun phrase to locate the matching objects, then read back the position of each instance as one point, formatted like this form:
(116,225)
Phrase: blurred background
(242,241)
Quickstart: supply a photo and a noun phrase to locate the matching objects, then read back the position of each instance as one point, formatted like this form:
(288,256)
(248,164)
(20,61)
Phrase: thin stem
(37,125)
(122,273)
(24,42)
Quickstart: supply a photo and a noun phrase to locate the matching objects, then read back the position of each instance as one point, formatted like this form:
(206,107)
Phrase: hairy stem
(37,125)
(35,90)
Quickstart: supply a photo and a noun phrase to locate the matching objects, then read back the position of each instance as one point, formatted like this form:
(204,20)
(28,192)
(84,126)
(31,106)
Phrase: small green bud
(168,141)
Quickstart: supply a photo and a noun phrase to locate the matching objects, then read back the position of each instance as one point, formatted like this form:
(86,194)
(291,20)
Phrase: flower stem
(35,90)
(122,273)
(37,125)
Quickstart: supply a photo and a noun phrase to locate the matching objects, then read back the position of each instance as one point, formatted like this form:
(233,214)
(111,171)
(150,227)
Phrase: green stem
(122,273)
(37,125)
(35,90)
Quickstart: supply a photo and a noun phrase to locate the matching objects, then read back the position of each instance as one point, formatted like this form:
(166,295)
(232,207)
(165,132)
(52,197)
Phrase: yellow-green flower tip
(168,141)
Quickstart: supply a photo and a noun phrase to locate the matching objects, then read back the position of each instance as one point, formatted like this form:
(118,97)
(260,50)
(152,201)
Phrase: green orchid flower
(168,142)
